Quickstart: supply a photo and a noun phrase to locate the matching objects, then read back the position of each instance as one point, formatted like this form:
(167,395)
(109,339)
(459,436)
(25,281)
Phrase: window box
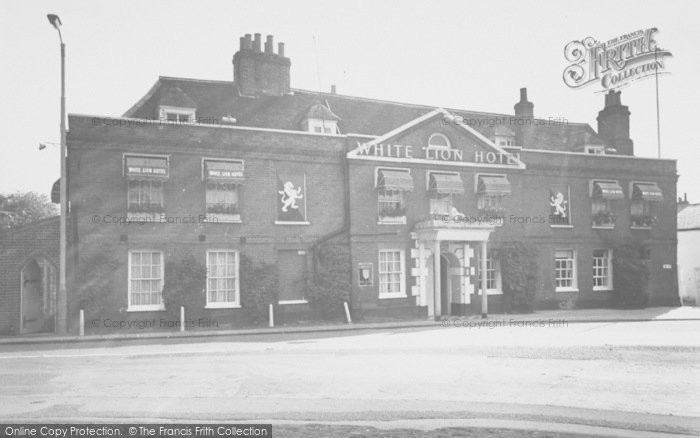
(644,221)
(224,213)
(395,214)
(604,219)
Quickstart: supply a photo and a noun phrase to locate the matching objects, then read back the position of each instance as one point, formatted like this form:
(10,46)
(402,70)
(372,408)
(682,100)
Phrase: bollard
(82,322)
(182,318)
(272,316)
(347,312)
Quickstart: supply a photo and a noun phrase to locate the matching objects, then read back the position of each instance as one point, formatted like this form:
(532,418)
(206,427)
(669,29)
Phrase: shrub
(518,276)
(259,288)
(630,278)
(95,291)
(330,283)
(185,285)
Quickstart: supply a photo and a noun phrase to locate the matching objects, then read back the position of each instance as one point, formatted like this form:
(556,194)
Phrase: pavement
(685,313)
(628,378)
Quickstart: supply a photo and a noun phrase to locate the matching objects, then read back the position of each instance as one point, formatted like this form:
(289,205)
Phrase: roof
(321,112)
(357,115)
(174,96)
(689,217)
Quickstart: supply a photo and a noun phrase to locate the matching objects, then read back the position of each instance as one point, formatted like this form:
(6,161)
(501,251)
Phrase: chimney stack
(524,120)
(614,124)
(258,73)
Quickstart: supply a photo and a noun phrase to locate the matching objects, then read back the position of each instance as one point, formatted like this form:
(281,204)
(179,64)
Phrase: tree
(259,288)
(22,208)
(519,276)
(330,284)
(631,277)
(185,283)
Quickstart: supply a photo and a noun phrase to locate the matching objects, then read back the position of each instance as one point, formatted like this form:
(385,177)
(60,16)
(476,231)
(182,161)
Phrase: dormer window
(177,115)
(595,150)
(439,141)
(320,120)
(503,136)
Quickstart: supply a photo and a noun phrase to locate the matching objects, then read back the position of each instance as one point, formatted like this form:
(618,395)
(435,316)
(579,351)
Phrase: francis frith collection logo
(615,62)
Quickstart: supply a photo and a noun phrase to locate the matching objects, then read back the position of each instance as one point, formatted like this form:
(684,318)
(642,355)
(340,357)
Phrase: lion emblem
(290,195)
(559,204)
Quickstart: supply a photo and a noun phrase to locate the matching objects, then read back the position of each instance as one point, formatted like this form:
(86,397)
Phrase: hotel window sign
(603,193)
(291,198)
(560,206)
(645,195)
(222,181)
(145,176)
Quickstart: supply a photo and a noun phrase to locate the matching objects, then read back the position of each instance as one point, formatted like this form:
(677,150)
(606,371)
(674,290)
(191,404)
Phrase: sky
(454,54)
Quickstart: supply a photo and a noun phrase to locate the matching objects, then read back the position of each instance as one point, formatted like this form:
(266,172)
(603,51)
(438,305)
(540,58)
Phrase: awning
(647,192)
(399,180)
(493,185)
(139,167)
(446,183)
(607,190)
(224,171)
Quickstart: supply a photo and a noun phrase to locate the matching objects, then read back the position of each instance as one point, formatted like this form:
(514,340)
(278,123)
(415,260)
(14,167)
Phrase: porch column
(484,283)
(422,277)
(437,290)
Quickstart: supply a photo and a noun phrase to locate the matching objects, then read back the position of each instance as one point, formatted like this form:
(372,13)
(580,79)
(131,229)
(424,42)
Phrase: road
(634,375)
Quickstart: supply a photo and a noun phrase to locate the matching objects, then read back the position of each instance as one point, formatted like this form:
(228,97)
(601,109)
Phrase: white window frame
(609,256)
(164,110)
(145,307)
(236,304)
(323,127)
(402,274)
(497,276)
(594,150)
(574,272)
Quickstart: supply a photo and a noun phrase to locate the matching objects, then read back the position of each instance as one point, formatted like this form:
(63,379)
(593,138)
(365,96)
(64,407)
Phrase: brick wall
(18,247)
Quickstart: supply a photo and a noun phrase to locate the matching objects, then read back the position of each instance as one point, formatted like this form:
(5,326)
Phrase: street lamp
(62,299)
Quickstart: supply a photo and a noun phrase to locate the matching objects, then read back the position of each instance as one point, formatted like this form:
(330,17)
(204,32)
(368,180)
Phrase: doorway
(38,296)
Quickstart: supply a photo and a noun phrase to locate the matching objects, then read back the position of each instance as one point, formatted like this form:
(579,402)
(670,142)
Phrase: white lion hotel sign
(438,154)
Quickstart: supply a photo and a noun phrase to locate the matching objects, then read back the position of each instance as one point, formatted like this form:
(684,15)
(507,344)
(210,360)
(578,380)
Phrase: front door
(32,299)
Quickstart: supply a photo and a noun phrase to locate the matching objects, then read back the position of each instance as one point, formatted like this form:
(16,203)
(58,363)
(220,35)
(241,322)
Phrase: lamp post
(62,299)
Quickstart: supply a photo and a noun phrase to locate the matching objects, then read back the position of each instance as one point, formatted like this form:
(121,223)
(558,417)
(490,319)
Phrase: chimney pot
(256,42)
(280,49)
(523,94)
(248,41)
(268,45)
(241,41)
(332,89)
(613,98)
